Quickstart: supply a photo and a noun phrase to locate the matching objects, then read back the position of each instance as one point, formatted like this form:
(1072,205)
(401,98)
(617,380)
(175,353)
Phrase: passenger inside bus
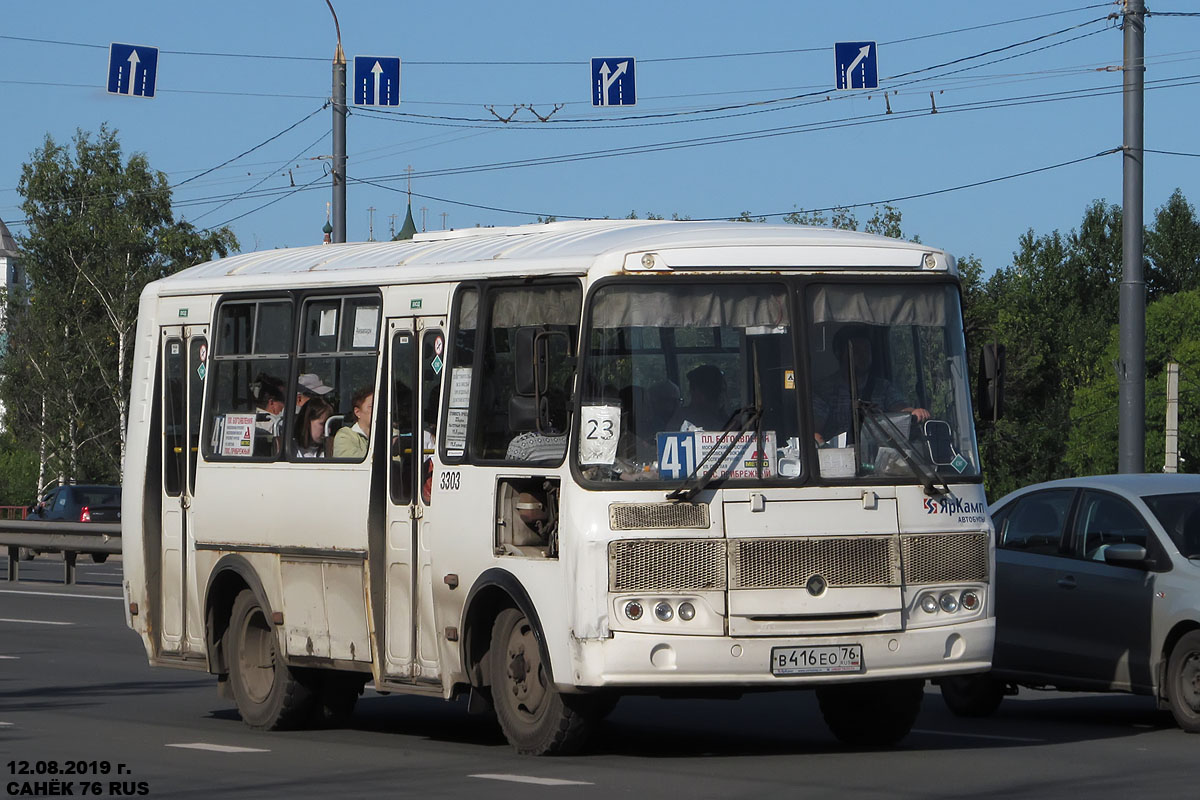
(269,406)
(310,428)
(351,442)
(309,385)
(706,402)
(831,398)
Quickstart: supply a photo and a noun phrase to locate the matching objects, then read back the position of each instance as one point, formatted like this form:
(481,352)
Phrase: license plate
(816,659)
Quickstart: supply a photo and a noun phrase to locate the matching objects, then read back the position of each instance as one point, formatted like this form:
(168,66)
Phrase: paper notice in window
(366,324)
(328,324)
(460,387)
(237,437)
(456,431)
(599,431)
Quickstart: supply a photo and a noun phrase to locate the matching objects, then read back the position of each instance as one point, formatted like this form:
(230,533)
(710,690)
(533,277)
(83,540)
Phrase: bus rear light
(687,611)
(85,514)
(949,603)
(633,610)
(929,604)
(663,611)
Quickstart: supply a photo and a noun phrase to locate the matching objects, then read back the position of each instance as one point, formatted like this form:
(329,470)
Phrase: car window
(100,496)
(1179,515)
(60,502)
(1036,522)
(1104,519)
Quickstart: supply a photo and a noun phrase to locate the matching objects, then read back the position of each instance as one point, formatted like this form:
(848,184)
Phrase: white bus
(549,465)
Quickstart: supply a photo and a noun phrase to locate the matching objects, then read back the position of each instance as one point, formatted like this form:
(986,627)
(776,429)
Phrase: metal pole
(1172,430)
(339,134)
(1131,374)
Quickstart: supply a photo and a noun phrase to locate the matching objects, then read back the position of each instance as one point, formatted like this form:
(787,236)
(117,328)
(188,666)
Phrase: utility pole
(339,134)
(371,223)
(1131,365)
(443,215)
(392,226)
(424,211)
(1172,429)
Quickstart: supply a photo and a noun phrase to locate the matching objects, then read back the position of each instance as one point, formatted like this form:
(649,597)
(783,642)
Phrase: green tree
(100,227)
(1172,335)
(1173,249)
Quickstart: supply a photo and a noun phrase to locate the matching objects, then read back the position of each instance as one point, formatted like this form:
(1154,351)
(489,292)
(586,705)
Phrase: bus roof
(555,247)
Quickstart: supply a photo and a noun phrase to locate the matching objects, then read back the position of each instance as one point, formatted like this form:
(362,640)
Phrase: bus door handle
(1067,582)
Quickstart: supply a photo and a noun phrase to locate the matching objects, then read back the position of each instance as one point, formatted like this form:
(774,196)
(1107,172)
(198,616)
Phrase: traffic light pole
(1131,367)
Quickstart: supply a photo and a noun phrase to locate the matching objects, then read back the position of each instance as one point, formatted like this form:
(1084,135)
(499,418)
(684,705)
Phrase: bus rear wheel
(535,717)
(270,695)
(876,714)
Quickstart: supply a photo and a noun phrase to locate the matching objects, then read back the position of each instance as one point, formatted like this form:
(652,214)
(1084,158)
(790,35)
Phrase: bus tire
(875,714)
(269,694)
(535,717)
(1183,682)
(972,695)
(337,694)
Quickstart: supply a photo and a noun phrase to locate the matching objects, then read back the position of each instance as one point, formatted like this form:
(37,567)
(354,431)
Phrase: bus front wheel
(269,693)
(875,714)
(535,717)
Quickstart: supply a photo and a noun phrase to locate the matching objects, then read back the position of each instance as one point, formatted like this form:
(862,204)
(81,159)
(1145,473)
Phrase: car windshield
(1179,514)
(909,378)
(685,376)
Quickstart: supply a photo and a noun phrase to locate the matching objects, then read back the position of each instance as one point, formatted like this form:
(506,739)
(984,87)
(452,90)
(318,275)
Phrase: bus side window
(501,424)
(250,366)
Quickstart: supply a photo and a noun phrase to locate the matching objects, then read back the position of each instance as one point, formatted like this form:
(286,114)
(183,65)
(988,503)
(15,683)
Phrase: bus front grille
(666,565)
(944,558)
(790,563)
(641,516)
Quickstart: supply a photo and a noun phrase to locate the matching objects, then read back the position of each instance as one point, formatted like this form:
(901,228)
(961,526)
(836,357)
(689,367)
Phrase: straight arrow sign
(132,70)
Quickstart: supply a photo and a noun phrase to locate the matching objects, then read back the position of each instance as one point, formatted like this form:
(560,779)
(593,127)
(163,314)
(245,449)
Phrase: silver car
(1097,589)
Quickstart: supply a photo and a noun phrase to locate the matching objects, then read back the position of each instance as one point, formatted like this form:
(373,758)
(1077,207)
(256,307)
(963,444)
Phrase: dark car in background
(77,503)
(1097,589)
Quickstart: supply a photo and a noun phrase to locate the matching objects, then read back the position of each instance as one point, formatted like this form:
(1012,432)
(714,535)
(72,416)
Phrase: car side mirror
(1125,554)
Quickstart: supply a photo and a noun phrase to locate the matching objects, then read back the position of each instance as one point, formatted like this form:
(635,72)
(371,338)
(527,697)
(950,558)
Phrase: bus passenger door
(183,364)
(414,372)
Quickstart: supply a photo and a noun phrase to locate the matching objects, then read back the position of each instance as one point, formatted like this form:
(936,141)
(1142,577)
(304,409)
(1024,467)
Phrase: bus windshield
(687,380)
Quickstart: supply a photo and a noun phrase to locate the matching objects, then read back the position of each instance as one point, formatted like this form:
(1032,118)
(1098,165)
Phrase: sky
(736,111)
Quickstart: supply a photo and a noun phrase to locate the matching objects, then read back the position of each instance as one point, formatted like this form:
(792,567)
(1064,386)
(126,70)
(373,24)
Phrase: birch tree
(100,227)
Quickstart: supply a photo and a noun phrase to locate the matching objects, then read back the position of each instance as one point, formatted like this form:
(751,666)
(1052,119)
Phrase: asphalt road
(75,687)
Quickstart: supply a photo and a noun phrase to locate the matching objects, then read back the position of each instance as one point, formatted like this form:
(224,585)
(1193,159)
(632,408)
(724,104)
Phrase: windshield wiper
(691,486)
(883,427)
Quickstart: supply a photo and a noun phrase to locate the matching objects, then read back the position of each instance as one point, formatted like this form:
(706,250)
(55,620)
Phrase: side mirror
(538,353)
(941,442)
(990,400)
(1125,554)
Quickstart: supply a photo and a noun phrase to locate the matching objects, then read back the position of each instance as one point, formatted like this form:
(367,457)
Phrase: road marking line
(63,594)
(35,621)
(531,779)
(219,748)
(9,658)
(977,736)
(5,724)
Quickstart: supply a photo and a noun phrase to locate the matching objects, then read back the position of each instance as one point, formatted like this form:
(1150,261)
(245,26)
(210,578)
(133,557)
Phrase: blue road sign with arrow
(132,69)
(376,81)
(857,65)
(613,82)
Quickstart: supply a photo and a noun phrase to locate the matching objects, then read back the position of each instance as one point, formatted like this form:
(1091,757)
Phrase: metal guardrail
(68,538)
